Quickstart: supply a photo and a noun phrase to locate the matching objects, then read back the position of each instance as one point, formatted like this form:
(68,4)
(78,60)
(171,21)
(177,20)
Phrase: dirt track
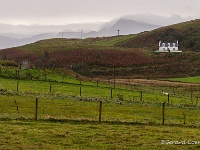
(156,83)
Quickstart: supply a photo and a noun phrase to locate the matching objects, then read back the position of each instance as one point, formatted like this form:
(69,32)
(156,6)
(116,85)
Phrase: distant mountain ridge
(7,42)
(125,26)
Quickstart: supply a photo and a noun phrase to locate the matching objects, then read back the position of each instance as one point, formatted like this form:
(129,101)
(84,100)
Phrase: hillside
(93,60)
(187,33)
(121,56)
(6,42)
(126,27)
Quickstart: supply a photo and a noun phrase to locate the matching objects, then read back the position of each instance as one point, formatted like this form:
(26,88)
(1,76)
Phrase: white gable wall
(168,47)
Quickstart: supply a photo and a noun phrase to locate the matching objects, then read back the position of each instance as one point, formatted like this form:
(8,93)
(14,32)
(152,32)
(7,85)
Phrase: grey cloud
(65,11)
(6,29)
(157,19)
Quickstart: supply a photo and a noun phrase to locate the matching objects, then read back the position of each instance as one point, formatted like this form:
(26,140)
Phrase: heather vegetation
(187,33)
(131,55)
(99,61)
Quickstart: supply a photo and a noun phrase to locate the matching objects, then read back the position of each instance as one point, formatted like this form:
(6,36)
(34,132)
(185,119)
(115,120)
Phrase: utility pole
(118,35)
(81,33)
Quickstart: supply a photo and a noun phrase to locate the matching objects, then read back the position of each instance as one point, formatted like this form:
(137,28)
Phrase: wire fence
(98,102)
(127,93)
(52,109)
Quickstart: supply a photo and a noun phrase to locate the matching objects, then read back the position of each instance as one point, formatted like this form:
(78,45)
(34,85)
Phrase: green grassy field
(52,45)
(112,41)
(73,124)
(101,92)
(69,44)
(188,79)
(68,107)
(93,136)
(68,120)
(52,82)
(66,44)
(77,108)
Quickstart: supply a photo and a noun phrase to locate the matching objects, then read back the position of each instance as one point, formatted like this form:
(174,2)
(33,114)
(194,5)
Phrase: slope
(108,56)
(187,33)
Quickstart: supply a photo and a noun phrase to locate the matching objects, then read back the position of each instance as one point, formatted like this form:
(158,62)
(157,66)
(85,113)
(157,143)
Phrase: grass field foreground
(73,124)
(90,135)
(66,120)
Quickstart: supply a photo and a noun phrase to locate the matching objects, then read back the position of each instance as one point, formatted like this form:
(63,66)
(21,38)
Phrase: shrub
(82,69)
(8,63)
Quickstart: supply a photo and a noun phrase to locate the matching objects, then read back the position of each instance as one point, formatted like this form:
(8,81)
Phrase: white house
(168,47)
(25,65)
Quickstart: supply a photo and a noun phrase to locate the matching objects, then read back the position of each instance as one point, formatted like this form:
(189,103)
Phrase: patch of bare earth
(147,82)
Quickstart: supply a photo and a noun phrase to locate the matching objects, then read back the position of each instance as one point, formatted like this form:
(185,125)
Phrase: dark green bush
(8,63)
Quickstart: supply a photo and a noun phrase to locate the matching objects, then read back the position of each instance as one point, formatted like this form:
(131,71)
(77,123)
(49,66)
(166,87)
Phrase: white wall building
(168,47)
(25,65)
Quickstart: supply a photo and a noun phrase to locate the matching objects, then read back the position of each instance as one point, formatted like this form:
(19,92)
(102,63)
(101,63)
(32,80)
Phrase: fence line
(118,94)
(36,109)
(163,113)
(63,109)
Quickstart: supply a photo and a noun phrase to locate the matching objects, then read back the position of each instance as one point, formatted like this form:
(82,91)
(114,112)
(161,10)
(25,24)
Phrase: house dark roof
(166,44)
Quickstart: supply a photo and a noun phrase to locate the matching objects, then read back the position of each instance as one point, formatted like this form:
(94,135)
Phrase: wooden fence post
(50,88)
(16,74)
(168,97)
(197,101)
(111,96)
(163,113)
(36,109)
(183,118)
(80,91)
(100,110)
(141,95)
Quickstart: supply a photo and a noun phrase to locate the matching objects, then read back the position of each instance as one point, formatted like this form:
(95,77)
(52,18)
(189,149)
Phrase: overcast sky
(60,12)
